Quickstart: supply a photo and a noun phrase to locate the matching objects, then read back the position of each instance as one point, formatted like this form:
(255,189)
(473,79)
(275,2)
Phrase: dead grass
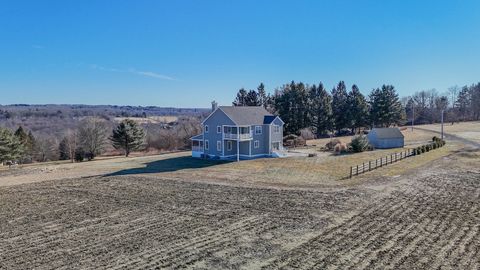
(322,171)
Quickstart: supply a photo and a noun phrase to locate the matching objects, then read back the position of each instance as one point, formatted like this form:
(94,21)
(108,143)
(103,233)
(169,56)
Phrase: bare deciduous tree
(93,136)
(71,140)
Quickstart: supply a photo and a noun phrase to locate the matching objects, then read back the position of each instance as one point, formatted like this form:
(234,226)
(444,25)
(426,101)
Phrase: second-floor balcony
(241,136)
(237,133)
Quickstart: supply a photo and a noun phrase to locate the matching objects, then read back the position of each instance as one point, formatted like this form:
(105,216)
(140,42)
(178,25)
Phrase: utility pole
(442,124)
(413,113)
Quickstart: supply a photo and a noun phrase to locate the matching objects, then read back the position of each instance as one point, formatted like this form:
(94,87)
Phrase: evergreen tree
(357,109)
(252,99)
(31,143)
(11,149)
(340,106)
(128,136)
(63,150)
(463,102)
(320,105)
(262,96)
(385,107)
(21,135)
(291,103)
(241,99)
(27,141)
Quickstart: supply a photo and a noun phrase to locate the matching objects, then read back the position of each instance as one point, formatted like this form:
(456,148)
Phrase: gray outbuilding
(384,138)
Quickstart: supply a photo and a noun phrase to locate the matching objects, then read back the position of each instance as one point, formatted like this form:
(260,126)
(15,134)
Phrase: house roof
(248,115)
(197,138)
(387,133)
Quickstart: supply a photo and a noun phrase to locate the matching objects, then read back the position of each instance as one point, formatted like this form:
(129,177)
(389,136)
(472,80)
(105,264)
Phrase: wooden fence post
(357,170)
(351,171)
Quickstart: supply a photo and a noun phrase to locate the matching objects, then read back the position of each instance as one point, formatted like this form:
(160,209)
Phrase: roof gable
(217,112)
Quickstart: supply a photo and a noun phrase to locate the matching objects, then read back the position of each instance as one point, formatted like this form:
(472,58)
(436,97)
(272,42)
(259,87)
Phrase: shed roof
(387,133)
(248,115)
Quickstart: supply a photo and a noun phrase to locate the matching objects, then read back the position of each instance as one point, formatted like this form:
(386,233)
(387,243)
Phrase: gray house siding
(277,137)
(246,146)
(217,118)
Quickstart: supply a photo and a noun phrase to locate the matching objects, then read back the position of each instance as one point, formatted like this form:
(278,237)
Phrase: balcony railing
(235,136)
(197,148)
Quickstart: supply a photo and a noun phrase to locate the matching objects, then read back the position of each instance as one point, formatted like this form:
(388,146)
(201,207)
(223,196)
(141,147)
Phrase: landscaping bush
(331,144)
(299,141)
(424,149)
(340,148)
(79,155)
(359,144)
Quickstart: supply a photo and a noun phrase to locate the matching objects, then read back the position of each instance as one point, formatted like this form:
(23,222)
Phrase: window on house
(258,130)
(256,144)
(276,129)
(206,128)
(219,129)
(229,145)
(206,145)
(219,146)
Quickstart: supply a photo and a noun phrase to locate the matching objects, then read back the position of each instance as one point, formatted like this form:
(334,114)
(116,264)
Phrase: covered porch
(197,146)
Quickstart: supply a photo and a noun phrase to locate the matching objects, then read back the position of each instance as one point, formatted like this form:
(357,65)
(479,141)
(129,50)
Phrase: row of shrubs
(436,143)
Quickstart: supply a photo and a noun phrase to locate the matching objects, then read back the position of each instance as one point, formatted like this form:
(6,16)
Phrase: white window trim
(229,145)
(219,145)
(258,128)
(219,129)
(206,145)
(206,128)
(276,128)
(256,144)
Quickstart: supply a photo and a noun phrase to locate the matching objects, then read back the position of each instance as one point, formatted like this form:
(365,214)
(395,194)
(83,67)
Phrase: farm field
(171,211)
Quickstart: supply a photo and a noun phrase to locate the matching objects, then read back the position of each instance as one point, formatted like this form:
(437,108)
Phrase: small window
(219,146)
(206,145)
(276,129)
(206,128)
(258,130)
(219,129)
(256,144)
(229,145)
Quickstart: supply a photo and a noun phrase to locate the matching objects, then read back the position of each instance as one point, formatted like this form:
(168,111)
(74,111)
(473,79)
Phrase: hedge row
(436,143)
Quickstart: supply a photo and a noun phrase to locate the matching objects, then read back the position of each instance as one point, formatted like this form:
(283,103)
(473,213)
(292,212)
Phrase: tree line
(324,112)
(95,136)
(342,110)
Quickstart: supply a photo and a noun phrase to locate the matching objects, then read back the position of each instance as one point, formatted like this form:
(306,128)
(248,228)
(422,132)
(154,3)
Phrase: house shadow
(170,165)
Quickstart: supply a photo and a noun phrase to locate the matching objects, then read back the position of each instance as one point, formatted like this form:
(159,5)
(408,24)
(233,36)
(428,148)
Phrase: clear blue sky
(187,53)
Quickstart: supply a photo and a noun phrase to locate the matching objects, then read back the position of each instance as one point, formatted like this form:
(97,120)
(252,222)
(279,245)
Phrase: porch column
(238,143)
(223,140)
(250,148)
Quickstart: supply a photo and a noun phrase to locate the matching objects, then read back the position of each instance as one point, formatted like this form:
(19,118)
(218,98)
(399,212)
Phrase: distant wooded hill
(54,119)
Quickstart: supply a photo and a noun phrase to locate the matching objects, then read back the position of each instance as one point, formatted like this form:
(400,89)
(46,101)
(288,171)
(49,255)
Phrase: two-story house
(239,132)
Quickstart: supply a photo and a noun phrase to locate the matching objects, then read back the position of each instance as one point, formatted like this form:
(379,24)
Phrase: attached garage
(384,138)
